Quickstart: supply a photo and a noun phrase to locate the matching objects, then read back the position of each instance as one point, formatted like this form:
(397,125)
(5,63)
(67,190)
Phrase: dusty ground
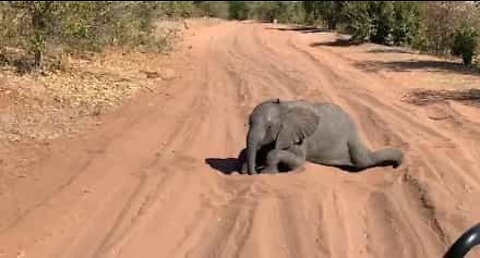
(153,179)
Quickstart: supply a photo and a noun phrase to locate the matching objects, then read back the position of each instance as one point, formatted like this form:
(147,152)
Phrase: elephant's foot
(396,164)
(244,168)
(300,169)
(362,158)
(399,157)
(283,161)
(269,170)
(395,160)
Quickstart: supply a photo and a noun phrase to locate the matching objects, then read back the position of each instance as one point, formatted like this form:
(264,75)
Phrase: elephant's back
(330,140)
(334,115)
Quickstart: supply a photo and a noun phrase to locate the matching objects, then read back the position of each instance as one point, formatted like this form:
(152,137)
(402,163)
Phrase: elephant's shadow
(226,166)
(229,165)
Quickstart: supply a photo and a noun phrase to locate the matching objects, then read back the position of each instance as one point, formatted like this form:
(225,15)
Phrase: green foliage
(382,13)
(262,10)
(41,18)
(382,22)
(239,10)
(360,23)
(298,13)
(406,22)
(329,13)
(283,11)
(182,9)
(465,43)
(287,12)
(41,27)
(218,9)
(312,11)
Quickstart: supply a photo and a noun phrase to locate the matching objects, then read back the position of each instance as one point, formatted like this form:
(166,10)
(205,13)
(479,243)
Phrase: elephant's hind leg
(363,158)
(283,160)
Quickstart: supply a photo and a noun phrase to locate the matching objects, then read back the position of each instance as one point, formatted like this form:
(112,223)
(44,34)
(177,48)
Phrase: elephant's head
(280,122)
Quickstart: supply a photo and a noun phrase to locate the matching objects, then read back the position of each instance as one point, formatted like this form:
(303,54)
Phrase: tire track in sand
(150,193)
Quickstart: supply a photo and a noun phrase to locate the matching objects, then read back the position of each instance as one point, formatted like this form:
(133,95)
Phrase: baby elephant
(284,134)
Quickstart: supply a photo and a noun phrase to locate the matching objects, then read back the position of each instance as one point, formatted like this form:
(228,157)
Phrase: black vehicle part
(465,243)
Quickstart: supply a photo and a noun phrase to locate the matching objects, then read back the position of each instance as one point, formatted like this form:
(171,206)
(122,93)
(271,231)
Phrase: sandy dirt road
(153,180)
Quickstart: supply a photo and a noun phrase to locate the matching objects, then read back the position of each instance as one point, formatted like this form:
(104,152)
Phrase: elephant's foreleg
(285,159)
(243,167)
(259,164)
(363,158)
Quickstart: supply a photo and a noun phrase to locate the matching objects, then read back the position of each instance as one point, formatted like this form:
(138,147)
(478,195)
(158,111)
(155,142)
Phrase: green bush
(287,12)
(42,27)
(382,14)
(217,9)
(298,13)
(360,23)
(311,12)
(262,10)
(328,13)
(382,22)
(182,9)
(283,11)
(464,44)
(406,22)
(239,10)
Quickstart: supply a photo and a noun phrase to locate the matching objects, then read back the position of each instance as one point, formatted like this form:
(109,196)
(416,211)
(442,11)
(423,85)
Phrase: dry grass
(424,97)
(44,107)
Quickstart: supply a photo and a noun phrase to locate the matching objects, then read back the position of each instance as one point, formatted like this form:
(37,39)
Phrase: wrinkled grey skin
(286,134)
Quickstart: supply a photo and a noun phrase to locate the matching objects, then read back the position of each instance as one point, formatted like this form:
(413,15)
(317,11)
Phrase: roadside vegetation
(48,31)
(446,28)
(65,63)
(60,61)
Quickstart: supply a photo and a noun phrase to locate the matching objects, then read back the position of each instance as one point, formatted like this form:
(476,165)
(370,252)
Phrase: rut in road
(140,186)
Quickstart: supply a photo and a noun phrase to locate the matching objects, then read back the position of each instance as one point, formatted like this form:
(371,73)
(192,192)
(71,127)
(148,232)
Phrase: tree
(41,16)
(283,11)
(213,8)
(49,29)
(329,12)
(382,22)
(465,43)
(262,10)
(238,10)
(382,14)
(312,11)
(182,9)
(360,23)
(406,22)
(336,14)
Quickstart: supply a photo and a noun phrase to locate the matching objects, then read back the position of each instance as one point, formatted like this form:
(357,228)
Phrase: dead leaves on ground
(45,107)
(422,97)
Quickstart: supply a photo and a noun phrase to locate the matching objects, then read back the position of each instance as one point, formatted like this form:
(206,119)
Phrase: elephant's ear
(298,123)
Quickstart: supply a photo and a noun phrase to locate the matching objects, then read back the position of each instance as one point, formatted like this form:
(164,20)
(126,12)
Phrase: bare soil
(154,178)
